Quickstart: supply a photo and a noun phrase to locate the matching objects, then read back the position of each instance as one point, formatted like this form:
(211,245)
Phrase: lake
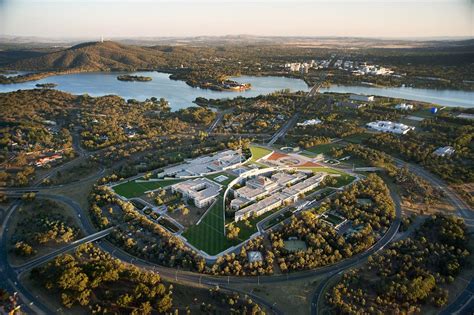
(181,95)
(177,93)
(451,98)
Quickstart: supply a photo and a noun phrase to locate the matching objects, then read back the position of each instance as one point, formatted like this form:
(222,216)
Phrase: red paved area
(310,164)
(276,156)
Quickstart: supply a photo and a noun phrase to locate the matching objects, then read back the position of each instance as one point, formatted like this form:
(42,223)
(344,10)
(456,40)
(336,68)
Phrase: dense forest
(96,282)
(324,244)
(410,275)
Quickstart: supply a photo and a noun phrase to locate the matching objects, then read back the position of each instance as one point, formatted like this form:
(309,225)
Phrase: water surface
(441,97)
(178,93)
(181,95)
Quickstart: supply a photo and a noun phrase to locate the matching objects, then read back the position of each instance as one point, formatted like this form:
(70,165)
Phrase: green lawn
(358,138)
(424,113)
(322,169)
(343,180)
(208,235)
(247,231)
(135,189)
(322,149)
(258,152)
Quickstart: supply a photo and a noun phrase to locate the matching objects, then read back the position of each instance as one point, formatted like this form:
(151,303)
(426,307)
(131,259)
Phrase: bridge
(314,90)
(43,259)
(283,130)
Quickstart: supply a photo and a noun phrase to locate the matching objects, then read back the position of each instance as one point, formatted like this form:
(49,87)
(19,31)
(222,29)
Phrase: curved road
(460,205)
(186,276)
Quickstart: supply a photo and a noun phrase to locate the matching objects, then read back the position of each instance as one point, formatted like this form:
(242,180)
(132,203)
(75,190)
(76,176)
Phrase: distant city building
(404,106)
(48,159)
(444,151)
(362,98)
(388,126)
(201,191)
(465,116)
(310,122)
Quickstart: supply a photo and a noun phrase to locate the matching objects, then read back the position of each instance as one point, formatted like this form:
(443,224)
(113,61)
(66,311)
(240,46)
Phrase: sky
(149,18)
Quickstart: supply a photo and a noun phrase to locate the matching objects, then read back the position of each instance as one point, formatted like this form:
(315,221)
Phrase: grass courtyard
(135,189)
(214,177)
(208,235)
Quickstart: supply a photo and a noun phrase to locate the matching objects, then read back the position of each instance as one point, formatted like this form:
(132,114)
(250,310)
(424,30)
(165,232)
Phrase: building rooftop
(388,126)
(205,164)
(444,151)
(199,188)
(249,192)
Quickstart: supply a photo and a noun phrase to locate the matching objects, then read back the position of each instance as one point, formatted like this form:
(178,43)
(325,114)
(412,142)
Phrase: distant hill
(95,56)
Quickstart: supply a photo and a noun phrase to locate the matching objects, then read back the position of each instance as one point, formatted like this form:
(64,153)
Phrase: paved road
(464,304)
(460,205)
(314,90)
(69,247)
(463,210)
(186,276)
(283,130)
(9,280)
(217,121)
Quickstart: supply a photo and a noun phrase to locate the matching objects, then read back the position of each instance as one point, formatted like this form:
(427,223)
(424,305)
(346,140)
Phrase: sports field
(135,189)
(208,235)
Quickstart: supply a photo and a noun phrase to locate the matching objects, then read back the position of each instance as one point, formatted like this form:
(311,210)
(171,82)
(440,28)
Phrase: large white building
(281,193)
(388,126)
(404,106)
(201,191)
(203,165)
(310,122)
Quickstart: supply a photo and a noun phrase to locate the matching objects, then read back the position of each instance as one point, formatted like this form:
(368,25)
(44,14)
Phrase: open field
(359,138)
(424,113)
(291,297)
(208,235)
(135,189)
(343,180)
(247,230)
(258,152)
(321,149)
(322,169)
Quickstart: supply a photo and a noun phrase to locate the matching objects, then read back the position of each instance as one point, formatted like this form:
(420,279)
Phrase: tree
(232,231)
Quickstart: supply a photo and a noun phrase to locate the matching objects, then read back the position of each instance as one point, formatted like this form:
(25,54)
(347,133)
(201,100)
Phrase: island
(137,78)
(235,86)
(46,85)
